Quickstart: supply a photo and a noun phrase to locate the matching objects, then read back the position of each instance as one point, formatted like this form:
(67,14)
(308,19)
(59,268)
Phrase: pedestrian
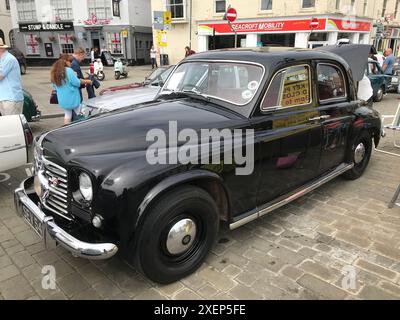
(153,57)
(92,55)
(67,85)
(11,96)
(78,57)
(189,52)
(388,64)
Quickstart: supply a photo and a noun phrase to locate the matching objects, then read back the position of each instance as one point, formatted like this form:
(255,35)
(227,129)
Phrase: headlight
(85,186)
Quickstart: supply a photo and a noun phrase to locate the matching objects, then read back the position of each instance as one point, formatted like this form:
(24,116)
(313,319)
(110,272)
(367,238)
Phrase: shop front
(289,32)
(43,43)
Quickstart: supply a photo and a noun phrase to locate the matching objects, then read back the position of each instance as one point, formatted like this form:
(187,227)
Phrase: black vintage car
(101,186)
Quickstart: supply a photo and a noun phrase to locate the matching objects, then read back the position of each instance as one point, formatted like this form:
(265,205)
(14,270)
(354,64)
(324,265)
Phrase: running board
(285,199)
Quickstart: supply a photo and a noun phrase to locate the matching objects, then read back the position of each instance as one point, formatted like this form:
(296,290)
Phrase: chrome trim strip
(52,233)
(13,149)
(286,199)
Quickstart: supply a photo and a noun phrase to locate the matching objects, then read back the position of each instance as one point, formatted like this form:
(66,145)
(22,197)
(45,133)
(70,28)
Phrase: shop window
(115,42)
(177,8)
(220,6)
(305,4)
(337,6)
(26,10)
(32,45)
(331,83)
(289,87)
(100,8)
(66,43)
(318,36)
(266,5)
(62,9)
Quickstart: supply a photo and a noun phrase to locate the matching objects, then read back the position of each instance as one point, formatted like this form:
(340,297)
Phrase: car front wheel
(360,154)
(177,234)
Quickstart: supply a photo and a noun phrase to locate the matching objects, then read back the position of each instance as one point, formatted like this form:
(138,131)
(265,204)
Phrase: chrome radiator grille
(57,198)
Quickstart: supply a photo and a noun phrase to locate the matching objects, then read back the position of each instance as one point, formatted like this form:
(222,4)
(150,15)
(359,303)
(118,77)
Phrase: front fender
(169,183)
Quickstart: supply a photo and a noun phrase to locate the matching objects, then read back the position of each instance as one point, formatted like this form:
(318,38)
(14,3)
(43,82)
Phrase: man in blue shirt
(79,56)
(11,96)
(389,62)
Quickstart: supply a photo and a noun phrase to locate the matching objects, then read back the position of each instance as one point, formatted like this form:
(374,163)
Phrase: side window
(289,87)
(331,84)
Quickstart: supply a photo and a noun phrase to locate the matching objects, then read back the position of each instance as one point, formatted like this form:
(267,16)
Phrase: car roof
(266,56)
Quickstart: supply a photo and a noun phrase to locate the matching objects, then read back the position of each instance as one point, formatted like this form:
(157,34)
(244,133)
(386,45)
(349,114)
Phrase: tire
(157,255)
(23,68)
(379,94)
(101,76)
(117,75)
(359,157)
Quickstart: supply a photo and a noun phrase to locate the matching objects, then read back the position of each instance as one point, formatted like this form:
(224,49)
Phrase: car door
(376,77)
(289,139)
(336,105)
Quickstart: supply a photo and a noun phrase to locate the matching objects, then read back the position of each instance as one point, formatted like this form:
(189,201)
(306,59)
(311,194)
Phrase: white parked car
(15,138)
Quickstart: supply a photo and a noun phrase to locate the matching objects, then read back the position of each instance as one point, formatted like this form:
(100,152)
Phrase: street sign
(158,21)
(162,38)
(125,33)
(167,17)
(314,24)
(231,14)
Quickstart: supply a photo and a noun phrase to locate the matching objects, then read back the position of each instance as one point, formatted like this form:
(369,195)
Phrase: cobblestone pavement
(296,252)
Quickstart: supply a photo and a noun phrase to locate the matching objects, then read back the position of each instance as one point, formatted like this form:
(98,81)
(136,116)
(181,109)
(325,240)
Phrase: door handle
(324,117)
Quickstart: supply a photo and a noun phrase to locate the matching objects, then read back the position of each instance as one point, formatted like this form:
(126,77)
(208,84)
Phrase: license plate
(33,221)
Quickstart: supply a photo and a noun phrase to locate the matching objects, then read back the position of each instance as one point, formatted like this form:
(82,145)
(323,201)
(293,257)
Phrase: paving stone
(242,292)
(353,239)
(287,256)
(106,288)
(27,238)
(23,259)
(390,287)
(207,292)
(47,293)
(385,273)
(5,261)
(8,272)
(87,294)
(187,294)
(232,271)
(307,252)
(374,293)
(292,272)
(45,258)
(386,250)
(91,273)
(319,270)
(268,291)
(289,244)
(32,272)
(16,288)
(219,280)
(73,284)
(170,289)
(194,281)
(321,288)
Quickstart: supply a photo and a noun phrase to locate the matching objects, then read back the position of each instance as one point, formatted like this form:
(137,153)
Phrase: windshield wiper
(186,93)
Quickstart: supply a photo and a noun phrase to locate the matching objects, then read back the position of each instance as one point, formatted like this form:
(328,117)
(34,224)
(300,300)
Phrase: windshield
(163,77)
(155,74)
(236,83)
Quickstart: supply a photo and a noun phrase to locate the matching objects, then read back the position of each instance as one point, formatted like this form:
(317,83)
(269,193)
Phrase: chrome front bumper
(52,234)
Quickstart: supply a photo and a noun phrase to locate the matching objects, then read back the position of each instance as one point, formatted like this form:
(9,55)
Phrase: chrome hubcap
(181,236)
(359,153)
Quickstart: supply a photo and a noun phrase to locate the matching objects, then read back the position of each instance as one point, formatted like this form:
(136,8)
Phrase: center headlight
(85,186)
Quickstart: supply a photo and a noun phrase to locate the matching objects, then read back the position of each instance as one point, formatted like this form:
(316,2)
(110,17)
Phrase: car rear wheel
(23,68)
(177,234)
(360,154)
